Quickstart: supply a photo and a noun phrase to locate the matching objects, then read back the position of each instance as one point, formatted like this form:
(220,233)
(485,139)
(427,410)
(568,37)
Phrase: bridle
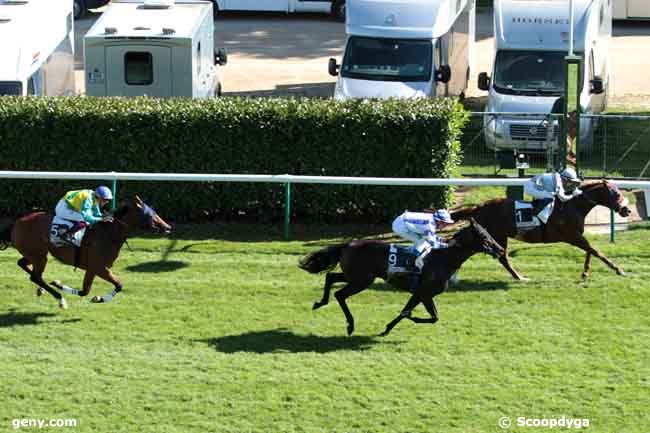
(615,203)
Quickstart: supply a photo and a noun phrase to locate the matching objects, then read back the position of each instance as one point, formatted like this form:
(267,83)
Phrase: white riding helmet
(570,175)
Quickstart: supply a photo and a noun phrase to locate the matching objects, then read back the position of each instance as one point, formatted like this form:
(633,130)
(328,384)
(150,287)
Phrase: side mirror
(443,74)
(333,68)
(483,81)
(220,57)
(597,86)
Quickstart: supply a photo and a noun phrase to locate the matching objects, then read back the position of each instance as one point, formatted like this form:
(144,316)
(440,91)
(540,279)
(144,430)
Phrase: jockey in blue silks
(420,228)
(548,186)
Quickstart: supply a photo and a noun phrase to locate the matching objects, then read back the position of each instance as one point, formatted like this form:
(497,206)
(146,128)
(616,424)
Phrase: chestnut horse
(101,245)
(364,260)
(566,224)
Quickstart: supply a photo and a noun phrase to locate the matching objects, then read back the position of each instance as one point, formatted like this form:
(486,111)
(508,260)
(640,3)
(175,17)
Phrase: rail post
(612,227)
(114,201)
(287,209)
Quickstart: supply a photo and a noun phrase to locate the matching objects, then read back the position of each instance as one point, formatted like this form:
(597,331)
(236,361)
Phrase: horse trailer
(37,49)
(528,75)
(153,48)
(406,49)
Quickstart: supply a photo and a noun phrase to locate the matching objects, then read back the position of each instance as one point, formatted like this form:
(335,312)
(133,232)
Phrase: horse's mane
(121,211)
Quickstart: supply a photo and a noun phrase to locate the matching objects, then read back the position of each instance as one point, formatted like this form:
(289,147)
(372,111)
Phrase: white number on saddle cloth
(524,218)
(59,228)
(400,259)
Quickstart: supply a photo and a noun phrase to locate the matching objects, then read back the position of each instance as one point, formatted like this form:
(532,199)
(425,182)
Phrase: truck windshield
(11,88)
(529,73)
(387,59)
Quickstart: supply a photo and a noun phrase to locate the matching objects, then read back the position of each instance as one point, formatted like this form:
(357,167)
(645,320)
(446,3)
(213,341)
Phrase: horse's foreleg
(584,244)
(406,312)
(505,261)
(342,295)
(587,270)
(430,306)
(107,275)
(330,278)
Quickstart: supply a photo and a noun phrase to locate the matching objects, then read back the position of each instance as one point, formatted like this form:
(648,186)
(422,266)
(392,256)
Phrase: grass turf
(214,335)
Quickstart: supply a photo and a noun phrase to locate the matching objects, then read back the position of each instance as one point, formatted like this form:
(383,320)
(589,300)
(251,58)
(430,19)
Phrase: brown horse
(101,245)
(363,261)
(566,224)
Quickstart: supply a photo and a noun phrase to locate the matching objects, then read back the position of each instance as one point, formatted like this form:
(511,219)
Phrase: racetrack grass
(220,337)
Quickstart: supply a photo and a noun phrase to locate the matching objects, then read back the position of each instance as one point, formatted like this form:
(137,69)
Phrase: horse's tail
(5,237)
(322,260)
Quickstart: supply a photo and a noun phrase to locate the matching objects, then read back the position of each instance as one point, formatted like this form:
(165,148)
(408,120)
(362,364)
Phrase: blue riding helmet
(443,215)
(104,192)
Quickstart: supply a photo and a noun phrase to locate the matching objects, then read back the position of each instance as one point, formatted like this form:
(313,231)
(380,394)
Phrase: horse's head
(141,215)
(478,240)
(607,194)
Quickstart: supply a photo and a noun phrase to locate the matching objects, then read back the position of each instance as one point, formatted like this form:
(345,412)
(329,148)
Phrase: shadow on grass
(461,286)
(15,318)
(158,266)
(282,340)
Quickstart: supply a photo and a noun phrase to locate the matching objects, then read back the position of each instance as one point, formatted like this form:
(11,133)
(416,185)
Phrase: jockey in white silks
(420,228)
(547,186)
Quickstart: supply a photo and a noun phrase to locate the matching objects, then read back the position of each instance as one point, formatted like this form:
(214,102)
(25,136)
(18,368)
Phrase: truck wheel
(78,9)
(338,10)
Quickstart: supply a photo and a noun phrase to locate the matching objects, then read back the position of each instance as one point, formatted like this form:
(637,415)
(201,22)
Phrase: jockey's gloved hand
(107,219)
(576,192)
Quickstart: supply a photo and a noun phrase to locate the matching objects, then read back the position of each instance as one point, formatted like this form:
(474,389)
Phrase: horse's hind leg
(584,244)
(587,269)
(36,276)
(330,278)
(345,293)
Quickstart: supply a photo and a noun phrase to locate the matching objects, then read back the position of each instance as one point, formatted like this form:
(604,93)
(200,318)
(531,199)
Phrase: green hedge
(237,136)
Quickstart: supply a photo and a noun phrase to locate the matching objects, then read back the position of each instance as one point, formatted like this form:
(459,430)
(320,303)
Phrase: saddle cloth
(401,260)
(525,216)
(59,228)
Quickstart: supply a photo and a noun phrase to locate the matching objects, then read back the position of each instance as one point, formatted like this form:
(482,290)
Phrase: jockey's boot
(424,248)
(69,234)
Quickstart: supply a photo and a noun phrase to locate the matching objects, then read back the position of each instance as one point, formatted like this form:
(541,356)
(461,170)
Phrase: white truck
(406,49)
(631,9)
(334,7)
(529,69)
(36,48)
(156,48)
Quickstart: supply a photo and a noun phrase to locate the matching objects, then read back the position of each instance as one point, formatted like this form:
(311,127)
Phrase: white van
(528,76)
(36,48)
(631,9)
(405,49)
(155,48)
(334,7)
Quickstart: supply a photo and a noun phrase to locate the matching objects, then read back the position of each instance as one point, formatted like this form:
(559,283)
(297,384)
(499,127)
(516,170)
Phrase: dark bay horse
(566,224)
(364,260)
(101,245)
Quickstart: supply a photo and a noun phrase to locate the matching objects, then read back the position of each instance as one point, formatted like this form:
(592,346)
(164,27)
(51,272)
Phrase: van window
(11,88)
(138,68)
(529,72)
(387,59)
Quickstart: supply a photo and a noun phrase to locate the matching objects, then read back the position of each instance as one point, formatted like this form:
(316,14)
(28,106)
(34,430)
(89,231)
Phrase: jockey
(78,209)
(420,228)
(547,186)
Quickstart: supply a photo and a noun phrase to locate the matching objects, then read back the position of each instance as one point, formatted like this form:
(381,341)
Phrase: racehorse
(101,245)
(362,261)
(566,224)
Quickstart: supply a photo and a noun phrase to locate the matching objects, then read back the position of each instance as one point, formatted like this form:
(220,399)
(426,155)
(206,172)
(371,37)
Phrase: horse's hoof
(383,334)
(39,291)
(524,280)
(350,329)
(63,304)
(97,299)
(620,272)
(317,305)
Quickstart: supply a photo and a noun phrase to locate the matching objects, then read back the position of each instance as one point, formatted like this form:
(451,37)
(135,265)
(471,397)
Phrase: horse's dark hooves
(97,299)
(620,272)
(383,334)
(350,329)
(317,305)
